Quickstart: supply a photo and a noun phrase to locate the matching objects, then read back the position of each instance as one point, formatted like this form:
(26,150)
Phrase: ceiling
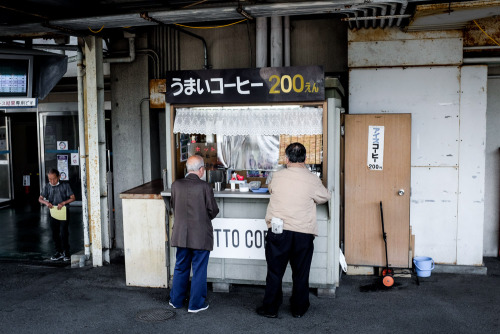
(42,18)
(31,18)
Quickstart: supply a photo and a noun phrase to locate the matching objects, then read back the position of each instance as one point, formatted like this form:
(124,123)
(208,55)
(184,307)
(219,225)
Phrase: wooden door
(377,167)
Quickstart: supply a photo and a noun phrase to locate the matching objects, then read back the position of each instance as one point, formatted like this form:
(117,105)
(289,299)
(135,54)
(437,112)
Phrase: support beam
(96,150)
(83,153)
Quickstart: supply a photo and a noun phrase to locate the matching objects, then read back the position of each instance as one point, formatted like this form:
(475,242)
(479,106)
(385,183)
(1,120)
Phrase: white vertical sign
(375,147)
(75,159)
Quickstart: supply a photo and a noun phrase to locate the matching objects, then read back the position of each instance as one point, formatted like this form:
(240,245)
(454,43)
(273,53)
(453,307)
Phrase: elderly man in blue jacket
(194,208)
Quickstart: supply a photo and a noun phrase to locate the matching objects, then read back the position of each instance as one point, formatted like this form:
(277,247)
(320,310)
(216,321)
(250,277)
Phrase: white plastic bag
(342,262)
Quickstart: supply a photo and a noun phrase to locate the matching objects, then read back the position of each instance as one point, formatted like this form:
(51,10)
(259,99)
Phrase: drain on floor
(155,315)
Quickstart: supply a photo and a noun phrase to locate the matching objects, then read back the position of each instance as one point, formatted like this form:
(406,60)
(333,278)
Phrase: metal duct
(376,14)
(165,42)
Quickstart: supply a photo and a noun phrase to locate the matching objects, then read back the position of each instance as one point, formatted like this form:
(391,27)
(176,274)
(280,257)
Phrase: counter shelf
(228,194)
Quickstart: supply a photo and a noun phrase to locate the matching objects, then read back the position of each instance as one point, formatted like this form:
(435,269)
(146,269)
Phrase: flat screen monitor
(16,75)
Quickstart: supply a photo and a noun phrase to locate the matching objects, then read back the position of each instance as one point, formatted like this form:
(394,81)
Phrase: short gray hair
(194,163)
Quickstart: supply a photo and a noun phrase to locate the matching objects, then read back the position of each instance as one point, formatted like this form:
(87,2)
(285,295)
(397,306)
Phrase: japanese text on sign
(18,102)
(375,147)
(213,86)
(261,85)
(239,238)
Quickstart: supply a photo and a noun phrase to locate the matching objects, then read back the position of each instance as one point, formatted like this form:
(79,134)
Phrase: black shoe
(65,257)
(263,312)
(297,315)
(57,256)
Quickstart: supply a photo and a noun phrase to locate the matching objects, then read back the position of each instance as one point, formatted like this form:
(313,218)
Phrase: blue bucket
(424,265)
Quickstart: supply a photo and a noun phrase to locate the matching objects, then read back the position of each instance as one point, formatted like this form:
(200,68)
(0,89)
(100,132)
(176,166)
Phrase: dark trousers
(60,233)
(184,259)
(298,249)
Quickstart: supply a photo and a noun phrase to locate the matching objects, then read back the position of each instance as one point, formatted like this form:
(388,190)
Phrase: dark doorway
(25,165)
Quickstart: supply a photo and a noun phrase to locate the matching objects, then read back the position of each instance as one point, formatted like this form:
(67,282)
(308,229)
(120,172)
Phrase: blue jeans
(185,258)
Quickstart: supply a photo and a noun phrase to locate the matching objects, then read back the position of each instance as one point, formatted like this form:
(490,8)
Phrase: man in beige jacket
(295,192)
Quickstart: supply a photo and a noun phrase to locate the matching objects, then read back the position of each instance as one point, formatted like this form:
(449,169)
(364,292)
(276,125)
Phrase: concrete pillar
(134,145)
(94,86)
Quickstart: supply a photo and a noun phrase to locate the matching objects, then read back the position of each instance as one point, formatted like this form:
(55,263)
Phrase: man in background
(295,192)
(194,208)
(58,195)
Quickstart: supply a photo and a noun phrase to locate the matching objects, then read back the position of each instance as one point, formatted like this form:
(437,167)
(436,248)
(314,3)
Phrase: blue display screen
(14,76)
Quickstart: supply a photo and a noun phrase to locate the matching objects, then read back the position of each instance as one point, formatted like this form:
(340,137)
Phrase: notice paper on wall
(62,145)
(375,147)
(75,159)
(62,167)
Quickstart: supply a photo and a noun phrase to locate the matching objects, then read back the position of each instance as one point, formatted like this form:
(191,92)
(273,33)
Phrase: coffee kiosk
(240,121)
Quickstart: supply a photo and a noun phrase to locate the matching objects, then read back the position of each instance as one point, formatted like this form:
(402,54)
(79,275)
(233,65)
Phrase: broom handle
(384,235)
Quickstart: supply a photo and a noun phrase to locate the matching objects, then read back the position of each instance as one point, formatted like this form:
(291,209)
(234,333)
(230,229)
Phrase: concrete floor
(47,299)
(38,296)
(25,232)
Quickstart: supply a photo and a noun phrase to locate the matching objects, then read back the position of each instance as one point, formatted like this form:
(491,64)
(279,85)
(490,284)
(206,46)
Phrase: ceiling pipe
(131,50)
(286,41)
(485,47)
(491,60)
(56,47)
(261,42)
(276,41)
(146,17)
(402,10)
(205,54)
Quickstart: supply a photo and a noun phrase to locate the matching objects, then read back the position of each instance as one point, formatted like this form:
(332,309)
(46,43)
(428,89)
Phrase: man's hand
(59,206)
(49,205)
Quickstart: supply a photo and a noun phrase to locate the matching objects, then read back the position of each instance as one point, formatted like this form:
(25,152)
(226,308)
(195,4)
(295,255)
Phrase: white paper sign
(62,167)
(239,238)
(75,159)
(375,147)
(18,102)
(62,145)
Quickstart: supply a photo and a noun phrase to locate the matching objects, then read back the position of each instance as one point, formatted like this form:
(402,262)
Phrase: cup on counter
(218,186)
(233,186)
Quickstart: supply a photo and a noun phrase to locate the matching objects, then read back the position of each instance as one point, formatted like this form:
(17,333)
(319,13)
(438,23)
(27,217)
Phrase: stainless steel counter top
(229,194)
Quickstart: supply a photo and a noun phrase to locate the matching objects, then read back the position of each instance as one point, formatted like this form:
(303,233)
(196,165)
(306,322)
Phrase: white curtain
(233,121)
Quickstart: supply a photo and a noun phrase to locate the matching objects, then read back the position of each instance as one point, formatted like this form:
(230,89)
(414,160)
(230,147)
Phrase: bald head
(194,165)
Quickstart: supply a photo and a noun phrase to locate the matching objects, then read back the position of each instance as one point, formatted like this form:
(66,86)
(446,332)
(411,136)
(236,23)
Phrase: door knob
(401,192)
